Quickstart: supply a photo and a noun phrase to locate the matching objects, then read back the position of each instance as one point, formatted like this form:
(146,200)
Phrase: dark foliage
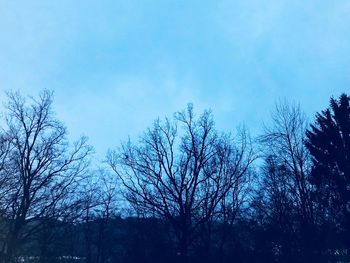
(328,141)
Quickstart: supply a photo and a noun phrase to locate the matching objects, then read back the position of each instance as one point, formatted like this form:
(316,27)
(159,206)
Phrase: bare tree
(287,169)
(284,142)
(100,205)
(90,202)
(107,210)
(41,169)
(234,204)
(181,170)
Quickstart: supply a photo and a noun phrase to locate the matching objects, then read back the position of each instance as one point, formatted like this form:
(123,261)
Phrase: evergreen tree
(328,141)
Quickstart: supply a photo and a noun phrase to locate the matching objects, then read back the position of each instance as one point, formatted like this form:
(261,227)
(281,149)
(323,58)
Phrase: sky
(115,66)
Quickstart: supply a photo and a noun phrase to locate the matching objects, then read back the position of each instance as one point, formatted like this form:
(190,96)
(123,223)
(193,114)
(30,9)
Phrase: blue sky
(115,66)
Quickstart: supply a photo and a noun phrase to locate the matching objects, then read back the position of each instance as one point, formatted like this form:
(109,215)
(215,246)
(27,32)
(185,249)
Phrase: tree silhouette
(328,141)
(40,170)
(287,192)
(181,171)
(283,148)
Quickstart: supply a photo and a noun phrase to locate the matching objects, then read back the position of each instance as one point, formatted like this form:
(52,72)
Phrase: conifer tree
(328,141)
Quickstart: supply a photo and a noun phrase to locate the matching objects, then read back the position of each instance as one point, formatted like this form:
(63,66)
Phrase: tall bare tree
(287,169)
(41,168)
(181,170)
(283,141)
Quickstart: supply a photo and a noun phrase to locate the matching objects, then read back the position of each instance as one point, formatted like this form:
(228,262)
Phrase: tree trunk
(183,248)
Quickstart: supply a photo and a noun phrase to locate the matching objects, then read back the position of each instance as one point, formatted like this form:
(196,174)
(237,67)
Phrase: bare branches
(41,168)
(285,152)
(182,169)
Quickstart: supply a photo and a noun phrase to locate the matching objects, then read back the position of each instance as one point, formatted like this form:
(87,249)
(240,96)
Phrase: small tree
(107,210)
(99,200)
(180,171)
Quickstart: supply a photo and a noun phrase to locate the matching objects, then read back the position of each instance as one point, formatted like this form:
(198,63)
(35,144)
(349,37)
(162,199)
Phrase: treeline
(184,192)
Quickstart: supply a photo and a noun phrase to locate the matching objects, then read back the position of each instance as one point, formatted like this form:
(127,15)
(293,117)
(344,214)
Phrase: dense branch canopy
(182,168)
